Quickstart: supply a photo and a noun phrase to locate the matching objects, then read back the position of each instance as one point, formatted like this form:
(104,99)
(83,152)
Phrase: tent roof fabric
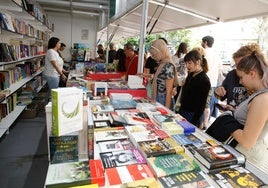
(173,16)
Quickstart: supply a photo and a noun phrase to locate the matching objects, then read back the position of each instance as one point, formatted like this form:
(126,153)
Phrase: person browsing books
(53,66)
(165,77)
(131,60)
(252,140)
(231,90)
(195,89)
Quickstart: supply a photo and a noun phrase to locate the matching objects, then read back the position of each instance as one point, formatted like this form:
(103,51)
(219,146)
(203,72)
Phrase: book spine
(55,115)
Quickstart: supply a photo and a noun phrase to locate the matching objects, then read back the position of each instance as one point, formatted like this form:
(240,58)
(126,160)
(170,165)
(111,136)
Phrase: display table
(104,76)
(133,92)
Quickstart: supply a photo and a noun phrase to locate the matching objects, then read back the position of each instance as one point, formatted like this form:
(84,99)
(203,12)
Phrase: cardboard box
(30,111)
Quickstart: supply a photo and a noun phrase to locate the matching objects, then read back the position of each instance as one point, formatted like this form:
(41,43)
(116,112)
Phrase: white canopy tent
(182,14)
(177,14)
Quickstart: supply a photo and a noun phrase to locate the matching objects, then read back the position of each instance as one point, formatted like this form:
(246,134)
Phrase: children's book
(165,165)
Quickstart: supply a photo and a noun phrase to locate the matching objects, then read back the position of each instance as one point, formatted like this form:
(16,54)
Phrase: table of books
(148,145)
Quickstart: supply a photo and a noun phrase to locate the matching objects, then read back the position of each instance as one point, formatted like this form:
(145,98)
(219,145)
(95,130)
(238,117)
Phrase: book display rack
(24,32)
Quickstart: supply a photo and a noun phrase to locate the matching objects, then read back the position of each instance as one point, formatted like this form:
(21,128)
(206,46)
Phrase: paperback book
(155,148)
(191,179)
(105,134)
(129,173)
(148,183)
(235,177)
(115,145)
(185,139)
(67,110)
(172,128)
(187,126)
(166,165)
(213,157)
(120,158)
(63,148)
(68,174)
(102,124)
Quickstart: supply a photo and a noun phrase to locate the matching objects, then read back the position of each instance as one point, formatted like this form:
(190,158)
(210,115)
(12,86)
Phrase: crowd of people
(190,83)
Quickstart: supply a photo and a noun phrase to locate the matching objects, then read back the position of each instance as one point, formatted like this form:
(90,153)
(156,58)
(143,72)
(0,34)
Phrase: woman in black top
(196,88)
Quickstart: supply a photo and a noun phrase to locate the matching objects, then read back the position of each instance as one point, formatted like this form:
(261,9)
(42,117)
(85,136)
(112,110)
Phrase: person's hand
(220,91)
(63,78)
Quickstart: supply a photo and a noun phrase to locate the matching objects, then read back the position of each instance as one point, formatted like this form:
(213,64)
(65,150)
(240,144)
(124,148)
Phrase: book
(102,108)
(172,128)
(116,119)
(68,174)
(137,118)
(160,118)
(63,148)
(165,165)
(97,172)
(155,148)
(115,145)
(129,173)
(7,21)
(187,126)
(102,124)
(185,139)
(67,110)
(120,158)
(148,183)
(5,55)
(235,177)
(135,82)
(191,179)
(213,157)
(157,130)
(105,134)
(100,88)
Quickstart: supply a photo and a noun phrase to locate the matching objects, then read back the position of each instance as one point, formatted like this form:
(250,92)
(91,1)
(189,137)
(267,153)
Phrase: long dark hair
(52,42)
(121,56)
(194,55)
(181,49)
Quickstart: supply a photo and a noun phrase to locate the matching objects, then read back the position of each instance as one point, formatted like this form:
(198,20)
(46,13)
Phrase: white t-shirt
(214,66)
(52,55)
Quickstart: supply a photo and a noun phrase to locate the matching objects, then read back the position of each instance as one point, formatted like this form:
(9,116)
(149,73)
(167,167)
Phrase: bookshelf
(27,31)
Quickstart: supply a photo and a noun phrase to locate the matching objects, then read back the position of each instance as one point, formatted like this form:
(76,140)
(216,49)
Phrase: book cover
(148,183)
(160,118)
(116,119)
(172,128)
(129,173)
(155,148)
(117,158)
(67,110)
(102,124)
(171,164)
(100,88)
(184,139)
(158,131)
(5,55)
(187,126)
(115,145)
(218,156)
(235,177)
(102,108)
(97,172)
(104,134)
(137,118)
(191,179)
(135,82)
(63,148)
(68,174)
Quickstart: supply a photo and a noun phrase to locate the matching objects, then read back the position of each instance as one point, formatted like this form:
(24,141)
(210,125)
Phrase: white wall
(69,29)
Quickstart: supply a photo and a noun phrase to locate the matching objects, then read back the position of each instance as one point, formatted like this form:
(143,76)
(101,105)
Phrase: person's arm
(256,119)
(169,89)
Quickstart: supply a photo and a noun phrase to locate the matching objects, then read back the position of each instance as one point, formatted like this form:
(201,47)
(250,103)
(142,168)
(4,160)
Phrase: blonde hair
(246,50)
(200,49)
(161,48)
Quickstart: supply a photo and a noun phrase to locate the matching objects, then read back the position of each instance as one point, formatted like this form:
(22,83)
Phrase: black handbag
(222,128)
